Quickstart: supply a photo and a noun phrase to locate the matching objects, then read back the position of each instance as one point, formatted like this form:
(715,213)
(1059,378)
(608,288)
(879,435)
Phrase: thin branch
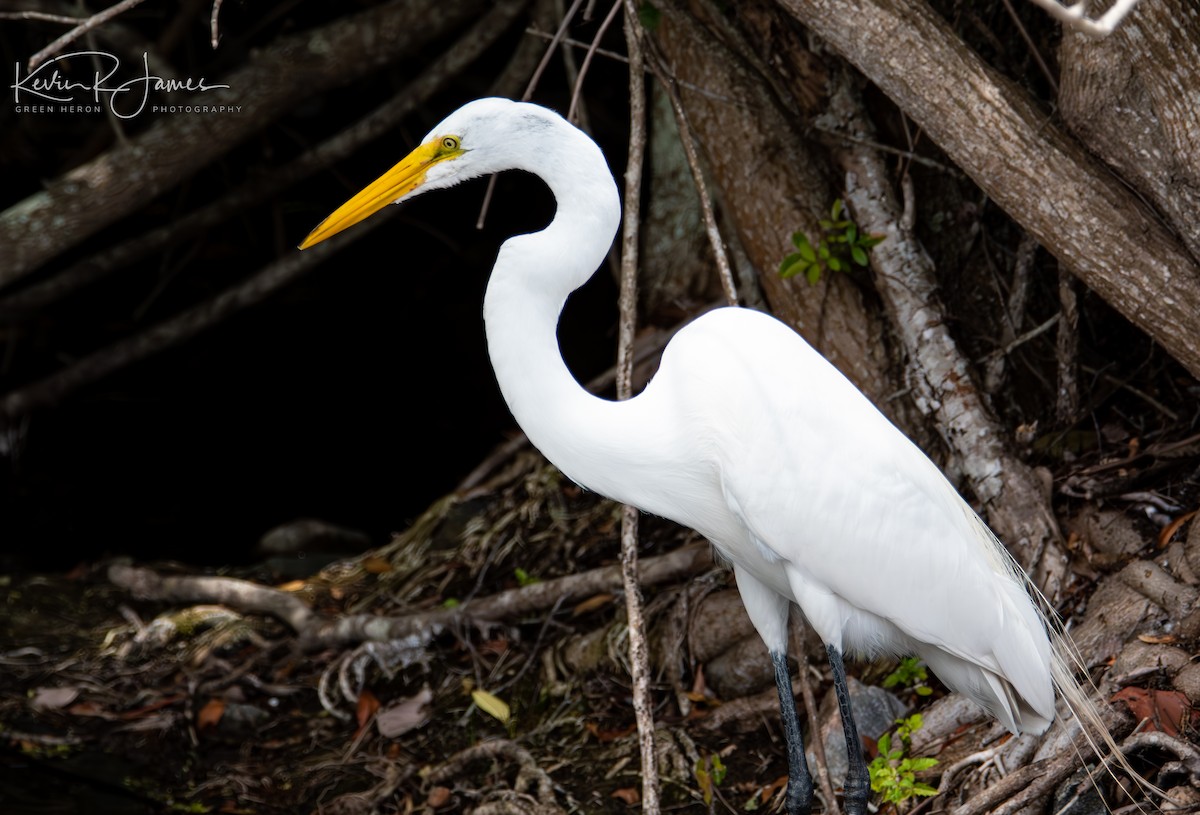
(583,46)
(383,118)
(558,37)
(818,743)
(1032,46)
(686,138)
(215,25)
(41,16)
(78,31)
(638,652)
(587,59)
(1067,402)
(173,331)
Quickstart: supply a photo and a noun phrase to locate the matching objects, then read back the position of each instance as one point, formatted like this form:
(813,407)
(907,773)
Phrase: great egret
(747,435)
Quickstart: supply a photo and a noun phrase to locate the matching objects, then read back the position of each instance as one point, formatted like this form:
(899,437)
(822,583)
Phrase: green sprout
(841,246)
(709,772)
(909,673)
(894,772)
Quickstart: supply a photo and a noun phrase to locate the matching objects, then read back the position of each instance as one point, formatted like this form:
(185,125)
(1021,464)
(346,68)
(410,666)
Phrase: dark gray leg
(858,781)
(800,785)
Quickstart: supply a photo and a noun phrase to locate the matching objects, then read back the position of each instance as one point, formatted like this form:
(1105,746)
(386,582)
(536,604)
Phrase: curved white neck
(533,276)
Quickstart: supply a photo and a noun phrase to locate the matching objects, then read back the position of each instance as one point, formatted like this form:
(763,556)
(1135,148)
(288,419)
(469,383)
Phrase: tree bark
(747,138)
(1132,100)
(1017,505)
(1043,178)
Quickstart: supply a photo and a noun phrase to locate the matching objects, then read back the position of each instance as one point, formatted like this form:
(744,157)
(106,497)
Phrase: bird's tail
(1066,663)
(1079,694)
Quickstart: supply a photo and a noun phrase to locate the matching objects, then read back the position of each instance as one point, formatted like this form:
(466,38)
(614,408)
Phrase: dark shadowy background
(356,395)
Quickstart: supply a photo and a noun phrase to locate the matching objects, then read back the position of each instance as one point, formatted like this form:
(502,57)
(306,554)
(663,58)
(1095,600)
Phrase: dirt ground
(476,664)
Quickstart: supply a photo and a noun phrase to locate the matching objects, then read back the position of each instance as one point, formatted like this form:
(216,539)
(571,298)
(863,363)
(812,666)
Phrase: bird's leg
(857,785)
(800,784)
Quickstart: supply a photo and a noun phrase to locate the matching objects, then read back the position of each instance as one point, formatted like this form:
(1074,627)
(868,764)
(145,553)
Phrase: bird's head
(481,137)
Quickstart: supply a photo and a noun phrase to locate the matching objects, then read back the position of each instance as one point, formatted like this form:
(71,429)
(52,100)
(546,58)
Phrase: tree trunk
(1043,178)
(747,138)
(1132,99)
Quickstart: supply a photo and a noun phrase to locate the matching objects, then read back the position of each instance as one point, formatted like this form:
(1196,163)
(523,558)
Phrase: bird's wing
(844,499)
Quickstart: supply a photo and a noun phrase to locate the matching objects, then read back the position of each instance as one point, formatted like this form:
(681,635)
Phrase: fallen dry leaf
(376,565)
(209,716)
(1169,531)
(1154,639)
(405,714)
(53,698)
(628,795)
(1167,711)
(591,604)
(438,797)
(368,706)
(492,705)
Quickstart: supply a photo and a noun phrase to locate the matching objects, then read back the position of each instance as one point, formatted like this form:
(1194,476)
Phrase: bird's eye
(449,143)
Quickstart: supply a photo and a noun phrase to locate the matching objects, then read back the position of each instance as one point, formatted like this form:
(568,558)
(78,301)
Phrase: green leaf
(884,744)
(851,233)
(794,269)
(834,264)
(813,273)
(806,249)
(836,209)
(921,788)
(919,764)
(858,255)
(718,769)
(923,690)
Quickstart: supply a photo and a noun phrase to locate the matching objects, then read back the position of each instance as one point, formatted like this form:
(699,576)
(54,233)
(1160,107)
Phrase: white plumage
(745,434)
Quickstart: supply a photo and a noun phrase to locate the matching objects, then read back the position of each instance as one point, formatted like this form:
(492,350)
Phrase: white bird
(747,435)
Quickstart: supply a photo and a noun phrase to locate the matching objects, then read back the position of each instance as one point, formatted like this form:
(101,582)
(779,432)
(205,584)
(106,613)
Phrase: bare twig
(233,592)
(1032,46)
(383,118)
(639,659)
(40,16)
(583,46)
(215,26)
(818,744)
(170,332)
(550,49)
(78,31)
(587,59)
(724,272)
(1067,402)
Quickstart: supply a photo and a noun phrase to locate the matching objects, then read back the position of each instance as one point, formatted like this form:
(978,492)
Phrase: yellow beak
(392,185)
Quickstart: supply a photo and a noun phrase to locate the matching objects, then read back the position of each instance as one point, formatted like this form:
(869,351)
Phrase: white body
(749,436)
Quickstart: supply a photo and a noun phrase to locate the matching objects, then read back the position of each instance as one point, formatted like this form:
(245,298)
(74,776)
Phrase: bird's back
(835,508)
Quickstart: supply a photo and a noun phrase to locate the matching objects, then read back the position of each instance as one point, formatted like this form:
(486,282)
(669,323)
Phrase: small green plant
(524,578)
(841,245)
(709,772)
(893,771)
(910,673)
